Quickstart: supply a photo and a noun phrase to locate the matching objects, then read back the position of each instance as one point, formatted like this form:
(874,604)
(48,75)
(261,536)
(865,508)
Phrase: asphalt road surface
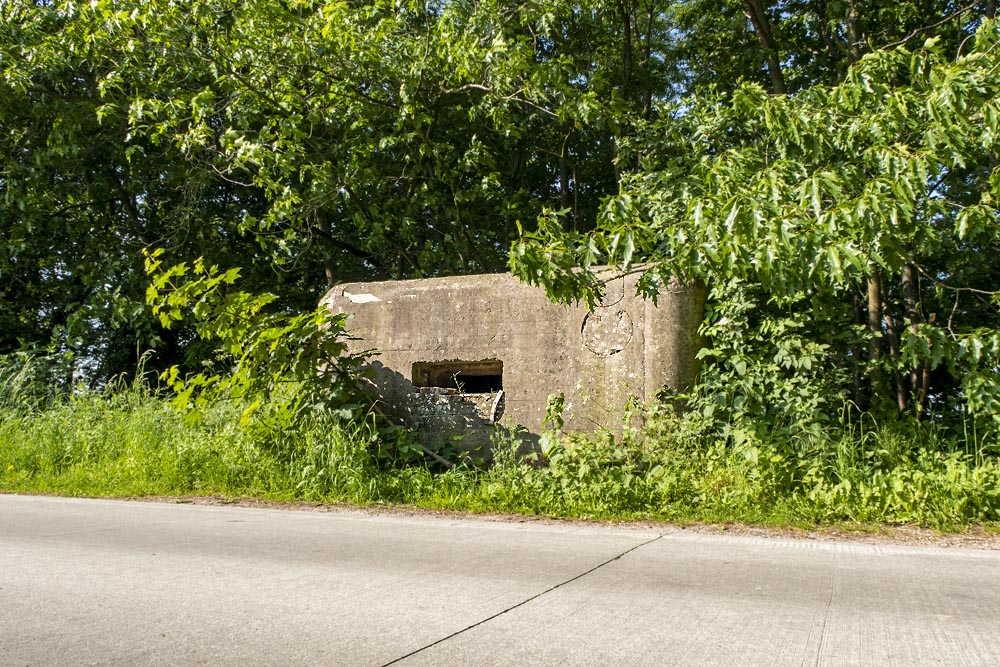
(94,582)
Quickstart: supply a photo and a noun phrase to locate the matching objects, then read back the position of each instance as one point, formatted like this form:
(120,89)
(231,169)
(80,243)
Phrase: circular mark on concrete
(608,333)
(614,291)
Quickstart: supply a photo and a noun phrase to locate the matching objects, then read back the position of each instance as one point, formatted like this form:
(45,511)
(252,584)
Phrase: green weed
(129,442)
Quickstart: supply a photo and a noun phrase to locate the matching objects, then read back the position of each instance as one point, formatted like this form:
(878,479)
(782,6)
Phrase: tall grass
(128,442)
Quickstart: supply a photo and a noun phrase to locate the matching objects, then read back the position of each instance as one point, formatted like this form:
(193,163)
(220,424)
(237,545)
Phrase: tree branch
(956,13)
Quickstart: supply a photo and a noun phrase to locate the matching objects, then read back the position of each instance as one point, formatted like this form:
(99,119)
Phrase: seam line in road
(522,602)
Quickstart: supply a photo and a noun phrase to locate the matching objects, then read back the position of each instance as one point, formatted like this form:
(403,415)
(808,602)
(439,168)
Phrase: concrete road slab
(714,600)
(93,582)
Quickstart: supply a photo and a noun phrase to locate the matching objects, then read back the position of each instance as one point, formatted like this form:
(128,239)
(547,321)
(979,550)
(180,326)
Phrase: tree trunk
(925,381)
(919,375)
(834,48)
(856,370)
(902,395)
(762,26)
(329,264)
(647,55)
(879,318)
(853,36)
(625,9)
(875,313)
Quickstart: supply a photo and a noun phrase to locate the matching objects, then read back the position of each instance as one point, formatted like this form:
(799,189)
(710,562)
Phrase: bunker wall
(470,336)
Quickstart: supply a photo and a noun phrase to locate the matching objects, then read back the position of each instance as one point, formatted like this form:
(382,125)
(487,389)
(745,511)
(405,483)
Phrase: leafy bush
(282,366)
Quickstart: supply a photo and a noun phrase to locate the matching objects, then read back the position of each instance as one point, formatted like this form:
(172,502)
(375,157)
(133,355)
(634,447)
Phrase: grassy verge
(130,443)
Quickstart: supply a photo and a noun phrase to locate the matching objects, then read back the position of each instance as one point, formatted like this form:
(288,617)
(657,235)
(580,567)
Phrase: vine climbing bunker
(457,355)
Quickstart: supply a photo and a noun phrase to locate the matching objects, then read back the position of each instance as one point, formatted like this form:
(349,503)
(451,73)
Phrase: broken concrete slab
(458,354)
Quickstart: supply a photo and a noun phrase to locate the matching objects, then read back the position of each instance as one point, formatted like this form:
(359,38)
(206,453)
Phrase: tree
(867,209)
(84,193)
(311,142)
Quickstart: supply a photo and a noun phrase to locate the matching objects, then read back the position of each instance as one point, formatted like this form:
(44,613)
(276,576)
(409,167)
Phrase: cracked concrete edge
(524,602)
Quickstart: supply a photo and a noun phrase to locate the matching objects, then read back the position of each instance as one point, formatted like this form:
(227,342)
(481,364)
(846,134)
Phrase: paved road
(92,582)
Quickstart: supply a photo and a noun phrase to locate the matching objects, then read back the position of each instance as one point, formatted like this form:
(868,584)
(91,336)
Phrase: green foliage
(81,194)
(809,191)
(131,443)
(283,365)
(316,142)
(847,231)
(768,376)
(673,468)
(863,215)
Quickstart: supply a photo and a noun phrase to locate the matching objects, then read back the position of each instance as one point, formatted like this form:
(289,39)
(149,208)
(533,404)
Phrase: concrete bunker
(458,355)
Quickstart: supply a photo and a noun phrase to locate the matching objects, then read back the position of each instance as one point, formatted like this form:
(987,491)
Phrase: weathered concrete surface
(626,347)
(90,582)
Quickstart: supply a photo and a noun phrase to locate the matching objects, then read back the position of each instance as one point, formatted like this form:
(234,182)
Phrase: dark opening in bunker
(469,377)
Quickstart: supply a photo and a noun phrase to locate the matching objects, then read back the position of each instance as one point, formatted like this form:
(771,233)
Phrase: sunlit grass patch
(128,442)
